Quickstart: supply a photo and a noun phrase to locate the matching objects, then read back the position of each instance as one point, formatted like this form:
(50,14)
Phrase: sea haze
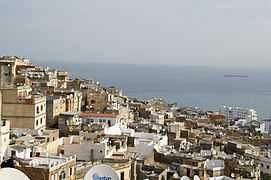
(204,87)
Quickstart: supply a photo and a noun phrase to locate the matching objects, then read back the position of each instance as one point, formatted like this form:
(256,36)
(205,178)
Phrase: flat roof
(97,115)
(46,162)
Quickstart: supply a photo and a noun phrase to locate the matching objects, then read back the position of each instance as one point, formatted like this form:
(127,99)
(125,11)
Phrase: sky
(231,33)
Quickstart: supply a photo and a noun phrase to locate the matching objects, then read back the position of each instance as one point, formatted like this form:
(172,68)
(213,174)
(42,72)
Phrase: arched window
(62,175)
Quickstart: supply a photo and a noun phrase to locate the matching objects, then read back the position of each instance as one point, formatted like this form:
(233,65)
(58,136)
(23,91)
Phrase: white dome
(11,173)
(185,178)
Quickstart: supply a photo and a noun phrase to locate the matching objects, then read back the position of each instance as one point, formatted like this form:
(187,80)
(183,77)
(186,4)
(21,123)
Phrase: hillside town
(53,127)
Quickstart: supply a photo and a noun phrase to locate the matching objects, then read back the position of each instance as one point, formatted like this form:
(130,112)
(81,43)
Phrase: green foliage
(265,177)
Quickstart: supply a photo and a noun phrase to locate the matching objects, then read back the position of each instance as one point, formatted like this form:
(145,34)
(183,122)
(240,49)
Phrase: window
(38,110)
(37,122)
(41,120)
(41,108)
(267,167)
(13,153)
(61,151)
(62,175)
(122,176)
(71,171)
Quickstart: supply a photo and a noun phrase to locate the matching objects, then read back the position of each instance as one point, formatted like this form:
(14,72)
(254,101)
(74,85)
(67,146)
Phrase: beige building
(62,101)
(121,166)
(23,109)
(73,99)
(69,123)
(97,100)
(62,78)
(54,106)
(8,69)
(49,167)
(40,77)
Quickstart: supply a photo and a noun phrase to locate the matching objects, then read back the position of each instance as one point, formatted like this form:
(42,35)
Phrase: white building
(117,129)
(267,125)
(4,138)
(157,117)
(262,127)
(169,114)
(20,151)
(145,143)
(235,113)
(89,151)
(265,165)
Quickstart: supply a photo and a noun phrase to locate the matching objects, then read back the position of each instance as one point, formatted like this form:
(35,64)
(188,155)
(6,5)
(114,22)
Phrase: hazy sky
(191,32)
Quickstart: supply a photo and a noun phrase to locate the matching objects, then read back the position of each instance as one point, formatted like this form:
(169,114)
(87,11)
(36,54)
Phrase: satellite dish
(185,178)
(101,172)
(196,177)
(11,173)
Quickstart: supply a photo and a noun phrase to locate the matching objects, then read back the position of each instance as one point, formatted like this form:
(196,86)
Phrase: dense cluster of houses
(55,128)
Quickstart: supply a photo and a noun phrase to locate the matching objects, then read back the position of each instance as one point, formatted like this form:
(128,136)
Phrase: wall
(83,151)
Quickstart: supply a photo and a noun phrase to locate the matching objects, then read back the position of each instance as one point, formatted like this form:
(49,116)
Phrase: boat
(235,76)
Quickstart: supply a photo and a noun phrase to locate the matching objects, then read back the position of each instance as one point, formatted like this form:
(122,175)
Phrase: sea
(197,86)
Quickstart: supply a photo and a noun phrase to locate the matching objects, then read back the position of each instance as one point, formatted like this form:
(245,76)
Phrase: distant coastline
(235,76)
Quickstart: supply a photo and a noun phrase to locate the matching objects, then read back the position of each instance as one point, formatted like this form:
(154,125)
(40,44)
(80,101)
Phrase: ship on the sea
(235,76)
